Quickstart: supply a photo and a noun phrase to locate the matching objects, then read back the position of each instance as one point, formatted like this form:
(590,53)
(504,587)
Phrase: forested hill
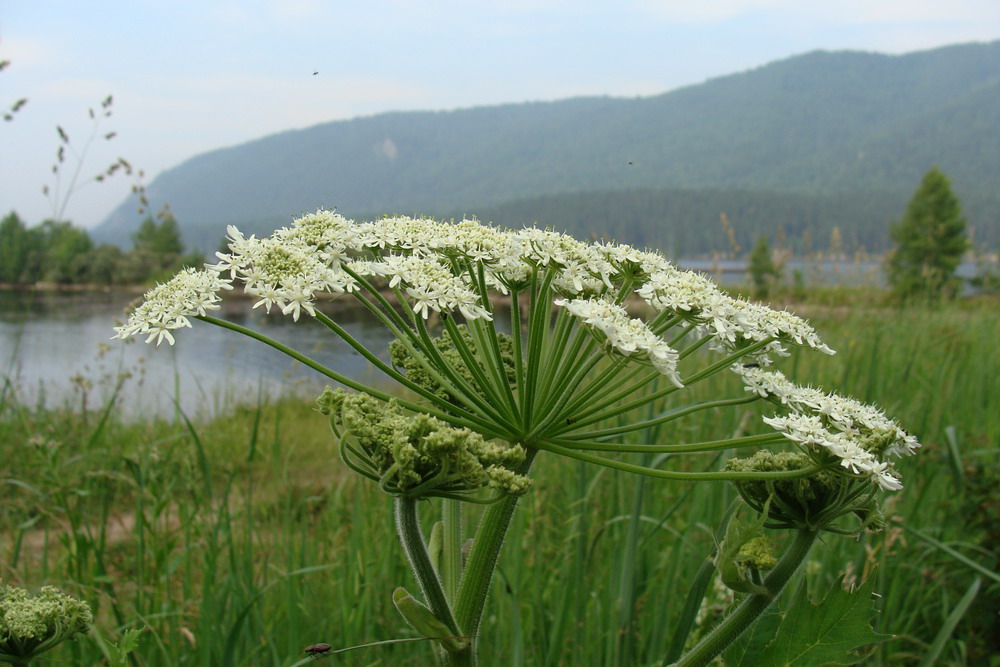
(820,127)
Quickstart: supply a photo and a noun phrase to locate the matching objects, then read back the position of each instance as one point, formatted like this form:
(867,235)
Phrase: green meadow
(242,539)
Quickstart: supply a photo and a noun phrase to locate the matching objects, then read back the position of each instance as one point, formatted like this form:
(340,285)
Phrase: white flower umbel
(285,270)
(732,323)
(860,435)
(841,412)
(167,306)
(630,337)
(581,267)
(810,432)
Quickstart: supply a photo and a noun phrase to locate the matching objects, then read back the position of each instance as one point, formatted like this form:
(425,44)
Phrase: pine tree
(930,242)
(763,271)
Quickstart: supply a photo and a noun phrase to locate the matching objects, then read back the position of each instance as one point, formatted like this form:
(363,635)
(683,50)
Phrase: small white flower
(167,306)
(629,337)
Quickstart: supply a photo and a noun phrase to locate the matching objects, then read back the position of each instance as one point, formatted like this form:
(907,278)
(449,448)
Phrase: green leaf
(745,648)
(824,634)
(424,621)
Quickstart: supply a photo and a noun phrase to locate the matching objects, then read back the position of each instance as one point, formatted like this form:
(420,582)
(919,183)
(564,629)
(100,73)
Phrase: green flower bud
(758,553)
(420,455)
(33,624)
(813,502)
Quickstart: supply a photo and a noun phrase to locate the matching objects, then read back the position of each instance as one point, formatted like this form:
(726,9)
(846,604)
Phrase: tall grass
(241,540)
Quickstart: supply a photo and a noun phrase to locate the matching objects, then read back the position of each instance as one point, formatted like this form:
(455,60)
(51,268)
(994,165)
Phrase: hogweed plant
(508,344)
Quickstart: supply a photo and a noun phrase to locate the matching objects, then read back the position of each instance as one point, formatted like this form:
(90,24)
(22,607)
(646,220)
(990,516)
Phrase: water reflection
(49,338)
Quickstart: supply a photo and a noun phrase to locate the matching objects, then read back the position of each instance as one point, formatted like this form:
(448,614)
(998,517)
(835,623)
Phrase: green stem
(752,606)
(483,559)
(487,336)
(451,542)
(663,419)
(594,414)
(707,446)
(724,475)
(488,389)
(386,369)
(539,315)
(478,425)
(457,385)
(515,333)
(410,536)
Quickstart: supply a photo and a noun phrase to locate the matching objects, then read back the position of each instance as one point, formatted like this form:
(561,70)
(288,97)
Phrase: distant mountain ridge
(822,124)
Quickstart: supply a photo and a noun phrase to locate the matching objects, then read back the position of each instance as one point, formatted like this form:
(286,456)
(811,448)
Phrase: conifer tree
(763,271)
(930,242)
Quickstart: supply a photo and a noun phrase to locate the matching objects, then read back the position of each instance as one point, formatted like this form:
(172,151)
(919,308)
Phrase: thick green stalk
(451,547)
(482,561)
(410,536)
(752,606)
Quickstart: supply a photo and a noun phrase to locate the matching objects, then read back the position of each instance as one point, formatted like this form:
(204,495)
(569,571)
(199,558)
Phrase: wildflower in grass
(33,624)
(510,344)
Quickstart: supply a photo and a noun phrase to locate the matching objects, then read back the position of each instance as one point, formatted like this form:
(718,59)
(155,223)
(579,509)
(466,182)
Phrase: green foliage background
(60,253)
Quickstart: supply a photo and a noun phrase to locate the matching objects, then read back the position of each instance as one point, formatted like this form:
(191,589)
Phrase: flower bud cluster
(813,502)
(419,455)
(32,624)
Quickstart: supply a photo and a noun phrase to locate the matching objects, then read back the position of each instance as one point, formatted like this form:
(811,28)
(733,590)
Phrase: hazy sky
(188,76)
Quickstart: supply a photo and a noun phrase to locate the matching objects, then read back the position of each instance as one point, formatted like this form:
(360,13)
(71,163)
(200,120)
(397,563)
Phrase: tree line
(61,253)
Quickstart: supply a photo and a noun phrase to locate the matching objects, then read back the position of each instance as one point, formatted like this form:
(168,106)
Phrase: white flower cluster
(167,306)
(288,269)
(860,435)
(733,323)
(630,337)
(445,267)
(430,284)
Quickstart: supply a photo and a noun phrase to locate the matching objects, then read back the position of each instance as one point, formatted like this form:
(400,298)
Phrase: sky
(189,76)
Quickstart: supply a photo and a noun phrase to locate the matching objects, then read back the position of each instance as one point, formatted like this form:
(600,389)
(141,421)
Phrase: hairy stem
(410,536)
(752,606)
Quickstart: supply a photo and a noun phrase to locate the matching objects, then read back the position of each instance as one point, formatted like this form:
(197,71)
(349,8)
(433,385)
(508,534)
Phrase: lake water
(49,338)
